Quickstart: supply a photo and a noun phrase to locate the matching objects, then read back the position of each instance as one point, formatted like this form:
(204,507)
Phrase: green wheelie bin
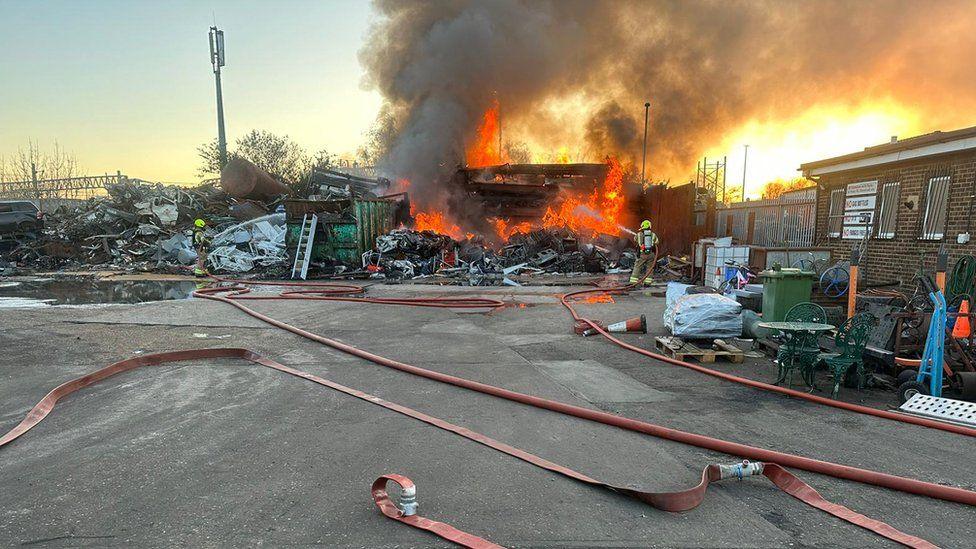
(782,289)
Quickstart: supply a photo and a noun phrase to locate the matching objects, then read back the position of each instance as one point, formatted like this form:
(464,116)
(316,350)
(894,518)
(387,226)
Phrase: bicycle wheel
(819,265)
(804,264)
(835,281)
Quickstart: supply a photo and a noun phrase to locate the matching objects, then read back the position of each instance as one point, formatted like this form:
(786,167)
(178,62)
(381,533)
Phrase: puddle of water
(43,292)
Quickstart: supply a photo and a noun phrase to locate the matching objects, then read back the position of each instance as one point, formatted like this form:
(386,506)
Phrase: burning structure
(491,197)
(523,192)
(574,75)
(586,198)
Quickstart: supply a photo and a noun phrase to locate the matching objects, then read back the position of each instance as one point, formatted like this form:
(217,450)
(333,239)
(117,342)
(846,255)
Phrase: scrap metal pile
(148,227)
(406,253)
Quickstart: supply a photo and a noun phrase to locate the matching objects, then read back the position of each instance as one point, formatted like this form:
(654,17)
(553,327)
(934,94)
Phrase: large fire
(485,150)
(590,214)
(587,214)
(435,221)
(596,213)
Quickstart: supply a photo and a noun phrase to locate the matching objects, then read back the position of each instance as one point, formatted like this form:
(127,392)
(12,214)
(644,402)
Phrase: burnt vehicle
(19,216)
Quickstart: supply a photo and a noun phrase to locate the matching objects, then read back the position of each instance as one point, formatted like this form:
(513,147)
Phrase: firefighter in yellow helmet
(647,251)
(202,243)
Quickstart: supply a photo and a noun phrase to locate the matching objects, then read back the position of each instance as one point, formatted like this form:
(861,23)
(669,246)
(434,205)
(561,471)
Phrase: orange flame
(485,150)
(505,231)
(597,213)
(590,215)
(597,298)
(435,221)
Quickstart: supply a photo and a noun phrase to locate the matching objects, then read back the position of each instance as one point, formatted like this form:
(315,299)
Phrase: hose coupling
(408,501)
(740,470)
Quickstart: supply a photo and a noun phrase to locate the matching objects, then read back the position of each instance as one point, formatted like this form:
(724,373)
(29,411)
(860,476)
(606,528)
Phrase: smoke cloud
(577,72)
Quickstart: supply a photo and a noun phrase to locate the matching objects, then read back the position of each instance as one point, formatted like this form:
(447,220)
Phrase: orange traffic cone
(636,325)
(962,328)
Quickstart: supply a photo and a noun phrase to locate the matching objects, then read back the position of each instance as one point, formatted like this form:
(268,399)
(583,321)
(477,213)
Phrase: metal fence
(75,188)
(789,220)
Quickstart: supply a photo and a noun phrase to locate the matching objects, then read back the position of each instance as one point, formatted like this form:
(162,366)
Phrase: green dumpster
(340,237)
(782,289)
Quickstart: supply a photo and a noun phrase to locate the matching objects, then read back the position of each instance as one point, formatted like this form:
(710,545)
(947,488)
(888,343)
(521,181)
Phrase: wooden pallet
(679,349)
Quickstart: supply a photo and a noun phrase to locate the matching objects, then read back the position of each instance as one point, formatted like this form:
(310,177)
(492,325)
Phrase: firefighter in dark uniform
(202,243)
(647,249)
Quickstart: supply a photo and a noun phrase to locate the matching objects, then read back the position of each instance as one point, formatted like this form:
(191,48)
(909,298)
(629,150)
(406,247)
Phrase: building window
(934,220)
(888,212)
(835,219)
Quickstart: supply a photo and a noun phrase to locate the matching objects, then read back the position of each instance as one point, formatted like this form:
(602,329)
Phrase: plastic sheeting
(674,291)
(704,316)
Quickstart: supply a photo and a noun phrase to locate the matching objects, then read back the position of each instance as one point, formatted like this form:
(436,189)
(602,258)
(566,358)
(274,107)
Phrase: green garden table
(799,338)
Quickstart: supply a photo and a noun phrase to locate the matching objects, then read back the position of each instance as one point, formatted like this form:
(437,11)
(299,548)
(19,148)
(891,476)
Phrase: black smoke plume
(707,67)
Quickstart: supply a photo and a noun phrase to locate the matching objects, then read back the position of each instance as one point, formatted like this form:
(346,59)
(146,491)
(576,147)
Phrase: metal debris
(148,227)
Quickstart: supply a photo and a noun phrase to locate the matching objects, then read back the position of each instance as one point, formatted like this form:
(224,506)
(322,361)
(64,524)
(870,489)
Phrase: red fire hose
(894,482)
(567,298)
(349,293)
(407,511)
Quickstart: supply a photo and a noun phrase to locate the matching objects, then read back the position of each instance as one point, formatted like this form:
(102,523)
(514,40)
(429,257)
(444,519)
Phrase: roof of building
(922,145)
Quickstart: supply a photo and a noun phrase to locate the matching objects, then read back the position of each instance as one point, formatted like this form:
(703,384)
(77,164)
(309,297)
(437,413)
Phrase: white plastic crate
(715,262)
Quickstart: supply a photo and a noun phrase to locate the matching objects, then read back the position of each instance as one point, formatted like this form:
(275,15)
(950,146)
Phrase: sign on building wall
(859,205)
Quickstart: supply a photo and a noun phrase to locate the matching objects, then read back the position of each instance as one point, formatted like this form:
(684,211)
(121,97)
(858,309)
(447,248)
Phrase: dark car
(19,216)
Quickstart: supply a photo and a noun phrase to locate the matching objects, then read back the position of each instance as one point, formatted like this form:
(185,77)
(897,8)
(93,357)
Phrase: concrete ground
(226,453)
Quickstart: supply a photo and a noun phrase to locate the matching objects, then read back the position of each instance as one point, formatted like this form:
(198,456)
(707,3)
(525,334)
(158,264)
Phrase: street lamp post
(647,110)
(217,60)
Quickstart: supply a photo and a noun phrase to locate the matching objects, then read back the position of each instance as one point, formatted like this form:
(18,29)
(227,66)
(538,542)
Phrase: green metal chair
(851,338)
(800,351)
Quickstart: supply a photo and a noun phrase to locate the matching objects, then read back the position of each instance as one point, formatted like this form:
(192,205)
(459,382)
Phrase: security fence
(787,221)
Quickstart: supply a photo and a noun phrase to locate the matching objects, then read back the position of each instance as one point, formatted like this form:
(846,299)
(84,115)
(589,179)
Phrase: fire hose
(406,512)
(566,300)
(352,293)
(876,478)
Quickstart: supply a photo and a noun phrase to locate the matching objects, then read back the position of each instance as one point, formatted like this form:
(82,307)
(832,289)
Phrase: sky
(128,85)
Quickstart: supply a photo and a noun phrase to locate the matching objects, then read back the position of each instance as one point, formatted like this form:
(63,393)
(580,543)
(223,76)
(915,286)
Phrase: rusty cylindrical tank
(242,179)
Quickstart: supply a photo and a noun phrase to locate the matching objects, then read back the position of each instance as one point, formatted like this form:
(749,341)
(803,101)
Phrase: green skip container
(782,289)
(344,240)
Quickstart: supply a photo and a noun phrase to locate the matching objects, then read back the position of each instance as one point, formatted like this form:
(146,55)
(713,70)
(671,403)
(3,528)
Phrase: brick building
(904,199)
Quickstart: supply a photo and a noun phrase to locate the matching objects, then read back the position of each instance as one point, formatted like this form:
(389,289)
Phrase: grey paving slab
(598,383)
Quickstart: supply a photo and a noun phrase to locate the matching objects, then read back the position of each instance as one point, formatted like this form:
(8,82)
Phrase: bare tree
(53,164)
(276,154)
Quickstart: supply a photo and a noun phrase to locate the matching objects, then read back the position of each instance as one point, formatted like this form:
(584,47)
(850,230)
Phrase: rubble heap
(143,227)
(406,253)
